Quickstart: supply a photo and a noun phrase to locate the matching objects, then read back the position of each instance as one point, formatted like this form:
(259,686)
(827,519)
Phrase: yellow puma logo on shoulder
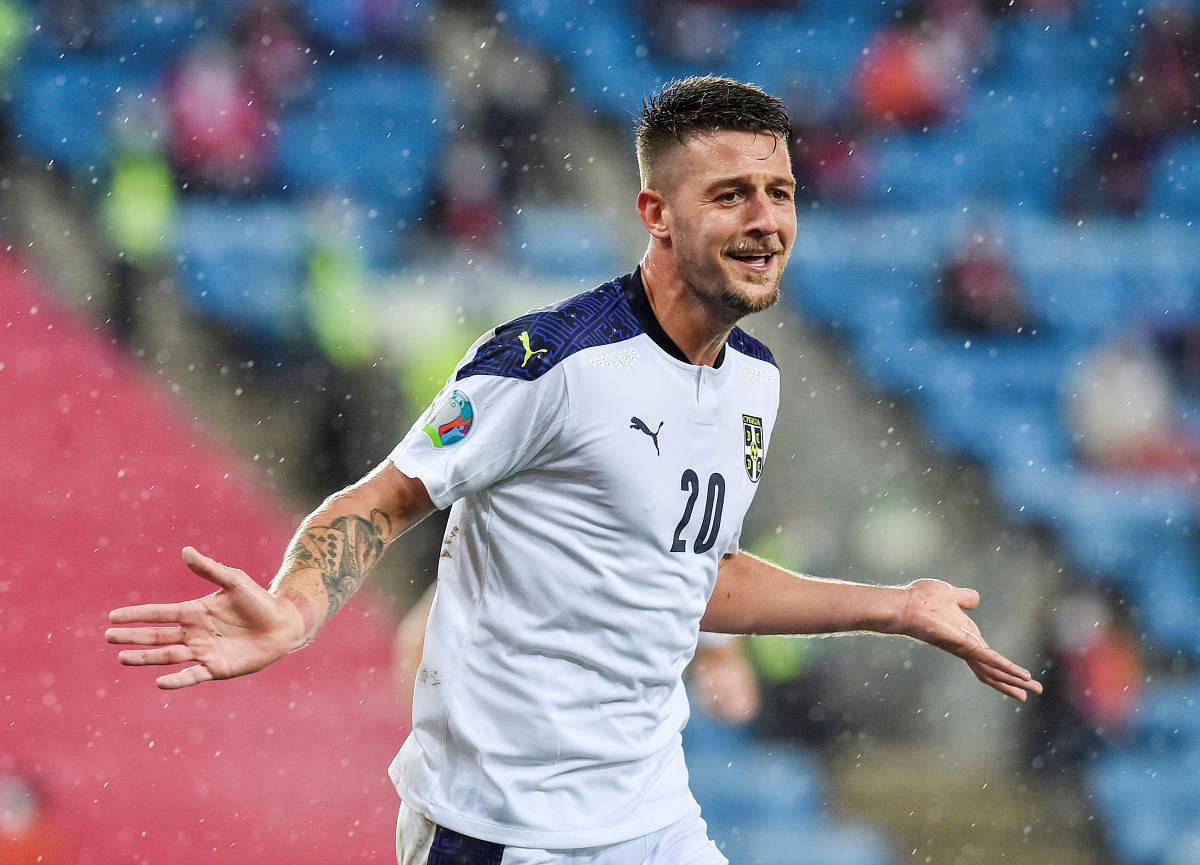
(529,352)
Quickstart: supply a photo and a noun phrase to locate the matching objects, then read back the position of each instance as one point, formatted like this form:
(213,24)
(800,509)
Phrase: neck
(689,322)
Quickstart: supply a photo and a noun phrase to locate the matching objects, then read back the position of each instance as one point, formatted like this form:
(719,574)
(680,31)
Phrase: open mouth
(758,262)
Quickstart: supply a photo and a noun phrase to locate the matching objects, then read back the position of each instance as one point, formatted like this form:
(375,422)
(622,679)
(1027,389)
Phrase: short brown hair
(705,103)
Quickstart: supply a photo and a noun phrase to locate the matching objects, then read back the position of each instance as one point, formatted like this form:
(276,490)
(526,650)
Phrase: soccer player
(599,456)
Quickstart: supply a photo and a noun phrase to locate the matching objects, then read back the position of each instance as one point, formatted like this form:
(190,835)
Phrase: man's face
(729,205)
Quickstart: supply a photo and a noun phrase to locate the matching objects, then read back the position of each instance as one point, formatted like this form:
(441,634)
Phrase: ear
(651,208)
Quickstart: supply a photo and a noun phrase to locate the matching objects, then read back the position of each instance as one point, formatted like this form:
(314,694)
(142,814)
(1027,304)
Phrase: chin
(742,302)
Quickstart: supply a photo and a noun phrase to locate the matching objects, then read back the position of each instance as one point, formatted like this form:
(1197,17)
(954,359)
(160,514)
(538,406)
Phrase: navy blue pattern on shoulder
(743,342)
(532,345)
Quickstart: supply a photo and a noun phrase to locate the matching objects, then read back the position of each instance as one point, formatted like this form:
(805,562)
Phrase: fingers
(166,655)
(1018,691)
(967,599)
(1018,694)
(199,564)
(996,671)
(211,570)
(144,636)
(990,658)
(184,678)
(992,675)
(154,613)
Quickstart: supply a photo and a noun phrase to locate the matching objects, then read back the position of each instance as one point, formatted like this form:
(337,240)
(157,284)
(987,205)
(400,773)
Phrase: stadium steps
(943,809)
(106,478)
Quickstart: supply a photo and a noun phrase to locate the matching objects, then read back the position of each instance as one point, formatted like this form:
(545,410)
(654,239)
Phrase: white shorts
(682,843)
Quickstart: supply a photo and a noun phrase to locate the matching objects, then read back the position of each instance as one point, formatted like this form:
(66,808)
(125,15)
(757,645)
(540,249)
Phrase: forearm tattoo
(342,552)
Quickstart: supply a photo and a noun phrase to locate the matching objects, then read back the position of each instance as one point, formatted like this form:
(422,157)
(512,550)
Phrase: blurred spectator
(14,33)
(795,688)
(15,30)
(724,685)
(1179,346)
(1161,92)
(518,103)
(695,31)
(139,208)
(355,401)
(78,24)
(686,30)
(979,291)
(1097,670)
(1159,96)
(273,51)
(366,28)
(140,203)
(219,132)
(467,200)
(828,156)
(1099,660)
(1122,414)
(794,674)
(914,72)
(29,834)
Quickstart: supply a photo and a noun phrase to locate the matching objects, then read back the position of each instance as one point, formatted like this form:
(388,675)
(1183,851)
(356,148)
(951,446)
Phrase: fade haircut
(700,104)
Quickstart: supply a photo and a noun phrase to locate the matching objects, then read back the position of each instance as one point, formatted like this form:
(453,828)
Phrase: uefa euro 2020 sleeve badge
(752,428)
(451,420)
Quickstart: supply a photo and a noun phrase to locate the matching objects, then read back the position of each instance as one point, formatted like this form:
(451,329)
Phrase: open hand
(238,629)
(934,614)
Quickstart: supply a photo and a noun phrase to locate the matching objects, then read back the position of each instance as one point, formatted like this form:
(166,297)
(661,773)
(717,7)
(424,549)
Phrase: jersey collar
(635,294)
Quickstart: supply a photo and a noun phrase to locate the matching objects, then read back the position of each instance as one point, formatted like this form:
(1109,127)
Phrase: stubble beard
(728,301)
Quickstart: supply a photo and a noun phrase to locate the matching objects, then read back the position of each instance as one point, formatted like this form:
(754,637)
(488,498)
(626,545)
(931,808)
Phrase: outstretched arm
(755,597)
(242,627)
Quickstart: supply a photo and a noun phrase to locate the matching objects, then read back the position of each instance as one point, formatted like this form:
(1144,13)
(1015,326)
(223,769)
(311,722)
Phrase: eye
(781,194)
(728,197)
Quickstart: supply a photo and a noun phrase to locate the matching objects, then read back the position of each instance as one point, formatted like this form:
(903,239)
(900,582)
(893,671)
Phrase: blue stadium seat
(758,798)
(1110,524)
(734,784)
(244,266)
(1175,181)
(158,32)
(372,132)
(761,842)
(1146,801)
(63,104)
(1185,847)
(808,57)
(563,240)
(866,297)
(1034,490)
(1087,297)
(1165,590)
(1022,137)
(1168,717)
(344,23)
(924,170)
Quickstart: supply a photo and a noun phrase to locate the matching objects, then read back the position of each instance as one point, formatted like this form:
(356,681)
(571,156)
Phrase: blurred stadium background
(244,242)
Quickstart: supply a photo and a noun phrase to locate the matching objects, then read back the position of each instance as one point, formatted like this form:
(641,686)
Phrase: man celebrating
(599,455)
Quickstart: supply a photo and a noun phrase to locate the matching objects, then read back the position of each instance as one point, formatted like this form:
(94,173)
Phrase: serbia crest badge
(752,427)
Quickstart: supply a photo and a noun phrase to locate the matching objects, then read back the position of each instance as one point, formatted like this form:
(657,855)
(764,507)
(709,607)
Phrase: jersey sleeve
(480,430)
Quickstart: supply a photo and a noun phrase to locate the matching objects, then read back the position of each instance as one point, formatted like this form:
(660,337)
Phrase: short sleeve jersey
(597,479)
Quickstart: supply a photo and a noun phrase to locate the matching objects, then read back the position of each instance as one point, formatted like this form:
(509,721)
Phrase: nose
(762,217)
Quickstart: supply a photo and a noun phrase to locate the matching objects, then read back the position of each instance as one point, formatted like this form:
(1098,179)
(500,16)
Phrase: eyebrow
(744,180)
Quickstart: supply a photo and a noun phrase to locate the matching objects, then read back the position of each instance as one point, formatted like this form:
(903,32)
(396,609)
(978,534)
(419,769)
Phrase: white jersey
(597,480)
